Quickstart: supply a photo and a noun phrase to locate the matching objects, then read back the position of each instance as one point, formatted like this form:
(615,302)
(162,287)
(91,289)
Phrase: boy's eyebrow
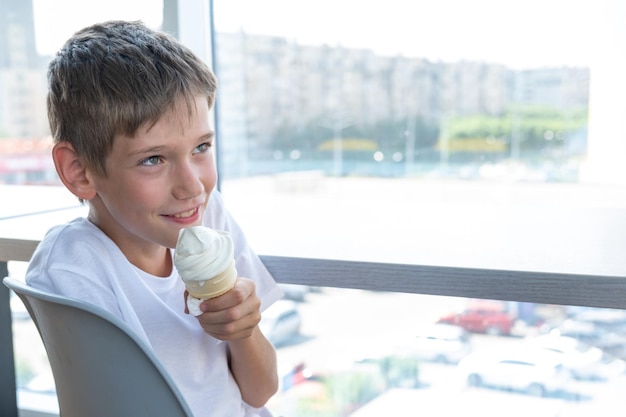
(159,148)
(149,149)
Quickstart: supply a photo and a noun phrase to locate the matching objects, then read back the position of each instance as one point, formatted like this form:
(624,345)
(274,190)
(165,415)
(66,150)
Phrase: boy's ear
(72,171)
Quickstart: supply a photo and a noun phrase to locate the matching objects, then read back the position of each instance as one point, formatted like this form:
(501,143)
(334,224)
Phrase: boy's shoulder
(77,230)
(74,241)
(76,249)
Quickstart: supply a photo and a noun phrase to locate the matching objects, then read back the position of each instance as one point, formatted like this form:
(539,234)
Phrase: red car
(482,316)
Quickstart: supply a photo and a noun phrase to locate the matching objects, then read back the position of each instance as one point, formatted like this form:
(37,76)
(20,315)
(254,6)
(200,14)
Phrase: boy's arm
(234,317)
(253,364)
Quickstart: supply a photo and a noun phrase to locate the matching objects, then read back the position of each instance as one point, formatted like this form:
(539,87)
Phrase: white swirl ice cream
(205,261)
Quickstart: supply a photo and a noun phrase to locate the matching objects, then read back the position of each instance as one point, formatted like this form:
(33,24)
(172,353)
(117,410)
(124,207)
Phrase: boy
(129,112)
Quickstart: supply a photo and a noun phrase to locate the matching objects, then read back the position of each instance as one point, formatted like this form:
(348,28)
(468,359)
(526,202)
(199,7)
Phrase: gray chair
(100,368)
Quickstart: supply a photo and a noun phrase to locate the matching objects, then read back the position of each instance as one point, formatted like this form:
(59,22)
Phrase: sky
(519,34)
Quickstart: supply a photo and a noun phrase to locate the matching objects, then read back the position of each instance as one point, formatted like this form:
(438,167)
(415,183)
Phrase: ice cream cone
(205,262)
(215,286)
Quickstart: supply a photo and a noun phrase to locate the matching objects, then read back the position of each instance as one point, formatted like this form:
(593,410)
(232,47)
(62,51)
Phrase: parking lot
(340,327)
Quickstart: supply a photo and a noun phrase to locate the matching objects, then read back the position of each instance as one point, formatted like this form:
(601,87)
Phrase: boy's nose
(187,183)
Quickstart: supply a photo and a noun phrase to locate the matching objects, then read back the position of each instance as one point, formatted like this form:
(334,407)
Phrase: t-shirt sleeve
(248,263)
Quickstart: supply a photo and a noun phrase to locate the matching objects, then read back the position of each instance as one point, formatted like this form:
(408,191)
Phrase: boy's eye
(151,160)
(203,147)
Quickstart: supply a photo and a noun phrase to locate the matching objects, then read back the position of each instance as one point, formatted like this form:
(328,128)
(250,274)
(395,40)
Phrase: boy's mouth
(185,214)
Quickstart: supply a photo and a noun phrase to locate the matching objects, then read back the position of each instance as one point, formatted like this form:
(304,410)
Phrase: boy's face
(157,182)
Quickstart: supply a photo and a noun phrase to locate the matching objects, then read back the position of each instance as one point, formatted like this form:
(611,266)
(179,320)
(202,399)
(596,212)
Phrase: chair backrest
(100,367)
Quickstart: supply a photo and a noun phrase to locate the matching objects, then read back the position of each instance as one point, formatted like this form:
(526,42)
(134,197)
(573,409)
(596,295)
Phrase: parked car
(438,342)
(583,360)
(295,292)
(281,322)
(531,371)
(612,343)
(483,316)
(606,318)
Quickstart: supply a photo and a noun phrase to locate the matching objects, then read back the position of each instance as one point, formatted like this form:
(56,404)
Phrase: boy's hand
(233,315)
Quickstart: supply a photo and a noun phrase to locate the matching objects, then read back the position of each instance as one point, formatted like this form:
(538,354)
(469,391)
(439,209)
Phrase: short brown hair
(111,78)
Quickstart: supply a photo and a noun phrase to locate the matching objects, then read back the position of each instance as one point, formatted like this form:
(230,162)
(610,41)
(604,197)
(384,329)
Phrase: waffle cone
(213,287)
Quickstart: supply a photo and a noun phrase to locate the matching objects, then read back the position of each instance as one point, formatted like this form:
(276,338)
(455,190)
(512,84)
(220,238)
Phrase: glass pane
(476,134)
(34,381)
(454,135)
(361,353)
(30,33)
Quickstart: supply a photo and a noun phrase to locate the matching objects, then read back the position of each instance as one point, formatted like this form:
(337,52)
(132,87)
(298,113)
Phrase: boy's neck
(155,261)
(162,268)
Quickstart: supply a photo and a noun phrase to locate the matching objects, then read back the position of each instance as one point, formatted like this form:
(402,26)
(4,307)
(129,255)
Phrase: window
(429,148)
(452,147)
(394,162)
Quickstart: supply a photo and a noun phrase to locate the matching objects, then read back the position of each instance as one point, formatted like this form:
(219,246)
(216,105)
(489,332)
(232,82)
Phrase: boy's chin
(174,239)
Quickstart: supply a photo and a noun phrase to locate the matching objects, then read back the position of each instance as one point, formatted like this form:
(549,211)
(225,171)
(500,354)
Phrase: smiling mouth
(185,214)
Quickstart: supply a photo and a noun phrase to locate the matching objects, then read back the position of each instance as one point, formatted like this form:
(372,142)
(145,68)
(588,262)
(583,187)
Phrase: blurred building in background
(22,74)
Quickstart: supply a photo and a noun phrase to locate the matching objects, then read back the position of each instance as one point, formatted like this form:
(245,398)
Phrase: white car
(281,322)
(609,319)
(519,368)
(438,342)
(295,292)
(613,343)
(583,360)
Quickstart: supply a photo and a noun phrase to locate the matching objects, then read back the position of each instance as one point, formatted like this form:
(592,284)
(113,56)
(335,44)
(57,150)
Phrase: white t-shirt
(78,260)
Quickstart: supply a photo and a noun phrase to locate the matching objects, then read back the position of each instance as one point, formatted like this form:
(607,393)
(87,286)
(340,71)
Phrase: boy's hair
(112,78)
